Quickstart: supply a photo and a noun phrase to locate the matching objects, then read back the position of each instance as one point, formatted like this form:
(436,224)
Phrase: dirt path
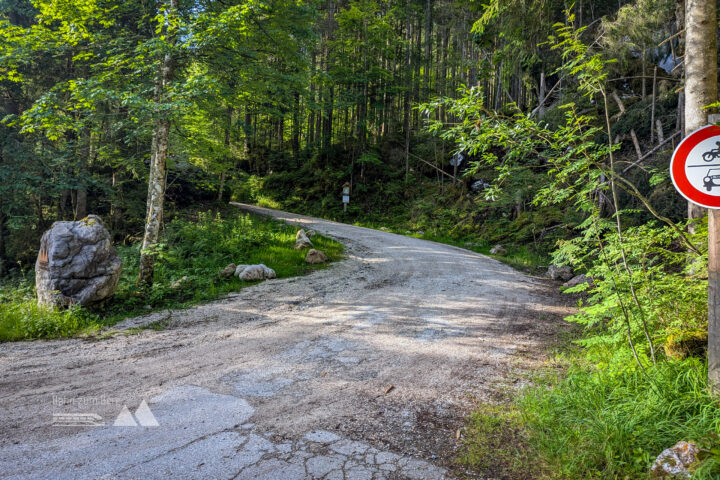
(287,379)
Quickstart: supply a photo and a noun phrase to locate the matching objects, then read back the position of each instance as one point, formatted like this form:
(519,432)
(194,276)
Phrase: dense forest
(546,126)
(308,95)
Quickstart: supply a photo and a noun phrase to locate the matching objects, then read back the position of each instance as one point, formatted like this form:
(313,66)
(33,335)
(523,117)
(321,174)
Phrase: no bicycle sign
(695,167)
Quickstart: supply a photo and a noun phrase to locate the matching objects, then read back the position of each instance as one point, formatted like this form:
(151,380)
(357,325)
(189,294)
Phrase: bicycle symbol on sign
(713,154)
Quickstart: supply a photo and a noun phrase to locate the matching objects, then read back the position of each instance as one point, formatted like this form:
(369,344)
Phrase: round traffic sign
(695,167)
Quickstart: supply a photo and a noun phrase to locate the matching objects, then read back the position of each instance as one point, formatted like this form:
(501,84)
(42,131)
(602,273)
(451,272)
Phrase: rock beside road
(577,280)
(675,462)
(559,273)
(498,250)
(77,264)
(315,257)
(302,241)
(228,271)
(255,272)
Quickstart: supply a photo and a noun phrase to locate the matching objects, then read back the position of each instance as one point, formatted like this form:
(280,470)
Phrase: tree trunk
(408,86)
(541,96)
(3,252)
(247,130)
(428,47)
(296,128)
(62,203)
(700,69)
(80,203)
(158,160)
(328,119)
(115,210)
(701,90)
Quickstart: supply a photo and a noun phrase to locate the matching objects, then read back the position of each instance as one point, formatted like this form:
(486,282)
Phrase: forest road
(363,370)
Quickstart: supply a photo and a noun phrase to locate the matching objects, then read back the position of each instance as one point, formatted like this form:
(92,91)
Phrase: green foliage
(192,253)
(659,288)
(612,424)
(649,284)
(495,443)
(190,256)
(21,318)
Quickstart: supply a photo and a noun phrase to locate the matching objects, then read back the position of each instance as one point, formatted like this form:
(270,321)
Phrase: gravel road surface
(364,370)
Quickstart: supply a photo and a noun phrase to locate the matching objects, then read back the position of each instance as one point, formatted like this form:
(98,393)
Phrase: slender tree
(159,151)
(701,90)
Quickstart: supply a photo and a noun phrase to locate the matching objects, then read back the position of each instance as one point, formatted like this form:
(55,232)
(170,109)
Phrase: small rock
(239,269)
(563,273)
(420,232)
(310,233)
(228,271)
(479,185)
(302,241)
(178,283)
(675,462)
(315,256)
(577,280)
(269,272)
(256,272)
(498,250)
(384,229)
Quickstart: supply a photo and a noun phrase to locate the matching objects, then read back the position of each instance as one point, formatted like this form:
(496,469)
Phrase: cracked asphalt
(364,370)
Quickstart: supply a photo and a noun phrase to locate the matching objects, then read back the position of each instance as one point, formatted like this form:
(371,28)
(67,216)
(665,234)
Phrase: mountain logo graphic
(143,417)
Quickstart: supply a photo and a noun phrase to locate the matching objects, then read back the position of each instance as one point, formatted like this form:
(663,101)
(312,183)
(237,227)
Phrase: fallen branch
(671,37)
(651,151)
(433,166)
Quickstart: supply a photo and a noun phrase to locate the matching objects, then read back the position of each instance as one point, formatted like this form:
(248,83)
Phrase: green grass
(599,424)
(496,445)
(520,257)
(21,318)
(192,253)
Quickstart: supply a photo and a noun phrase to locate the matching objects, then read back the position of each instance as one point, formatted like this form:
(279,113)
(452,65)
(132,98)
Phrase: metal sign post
(346,195)
(695,172)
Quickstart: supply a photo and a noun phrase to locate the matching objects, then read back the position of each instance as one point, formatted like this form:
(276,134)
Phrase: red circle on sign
(679,160)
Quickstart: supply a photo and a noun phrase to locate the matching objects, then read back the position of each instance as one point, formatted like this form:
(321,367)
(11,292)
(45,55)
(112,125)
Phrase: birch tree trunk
(701,90)
(700,69)
(158,160)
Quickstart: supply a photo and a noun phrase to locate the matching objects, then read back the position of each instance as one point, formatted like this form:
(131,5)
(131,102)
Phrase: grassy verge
(598,423)
(192,254)
(520,257)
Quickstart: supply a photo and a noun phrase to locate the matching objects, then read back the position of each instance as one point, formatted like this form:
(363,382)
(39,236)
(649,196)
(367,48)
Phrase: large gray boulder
(77,264)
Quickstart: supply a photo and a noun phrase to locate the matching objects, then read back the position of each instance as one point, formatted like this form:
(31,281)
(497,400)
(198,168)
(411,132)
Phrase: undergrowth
(429,210)
(192,253)
(598,423)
